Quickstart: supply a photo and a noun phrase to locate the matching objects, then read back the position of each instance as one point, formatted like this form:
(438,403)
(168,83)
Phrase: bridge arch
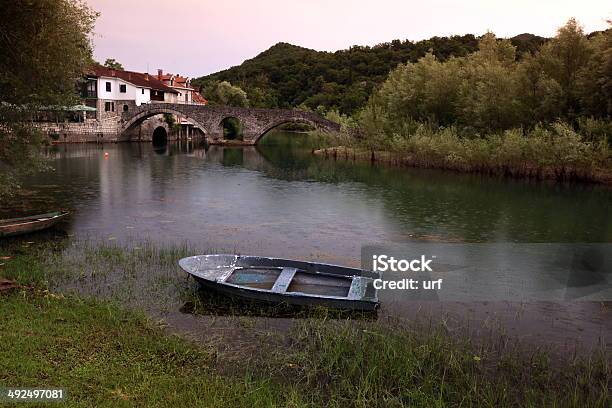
(231,128)
(280,122)
(145,114)
(160,137)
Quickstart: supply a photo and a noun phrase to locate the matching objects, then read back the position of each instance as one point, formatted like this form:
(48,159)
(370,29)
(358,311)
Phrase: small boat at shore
(25,225)
(275,280)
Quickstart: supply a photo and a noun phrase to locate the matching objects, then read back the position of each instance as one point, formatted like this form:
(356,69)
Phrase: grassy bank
(556,152)
(105,355)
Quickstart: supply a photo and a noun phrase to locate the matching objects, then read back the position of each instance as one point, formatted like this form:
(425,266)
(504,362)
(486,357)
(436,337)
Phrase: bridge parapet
(255,122)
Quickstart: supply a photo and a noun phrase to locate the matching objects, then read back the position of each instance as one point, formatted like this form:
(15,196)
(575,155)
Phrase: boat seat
(284,280)
(358,288)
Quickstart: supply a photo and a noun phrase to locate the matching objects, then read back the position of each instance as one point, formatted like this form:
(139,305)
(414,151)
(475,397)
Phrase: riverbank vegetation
(554,151)
(544,115)
(105,355)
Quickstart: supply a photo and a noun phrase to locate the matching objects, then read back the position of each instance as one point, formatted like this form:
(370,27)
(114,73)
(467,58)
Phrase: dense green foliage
(287,75)
(566,78)
(489,90)
(44,48)
(225,94)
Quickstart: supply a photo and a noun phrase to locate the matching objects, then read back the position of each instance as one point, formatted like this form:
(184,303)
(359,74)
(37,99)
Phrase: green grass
(107,355)
(372,364)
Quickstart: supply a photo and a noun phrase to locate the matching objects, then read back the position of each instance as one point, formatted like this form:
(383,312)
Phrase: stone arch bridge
(254,122)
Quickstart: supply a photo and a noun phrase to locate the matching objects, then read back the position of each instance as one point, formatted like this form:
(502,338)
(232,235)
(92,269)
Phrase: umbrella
(75,108)
(81,108)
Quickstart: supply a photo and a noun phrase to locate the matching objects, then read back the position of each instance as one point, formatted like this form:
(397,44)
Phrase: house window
(123,88)
(91,89)
(125,108)
(109,106)
(108,87)
(143,91)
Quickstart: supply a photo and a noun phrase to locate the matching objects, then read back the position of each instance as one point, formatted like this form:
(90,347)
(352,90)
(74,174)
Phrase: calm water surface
(277,199)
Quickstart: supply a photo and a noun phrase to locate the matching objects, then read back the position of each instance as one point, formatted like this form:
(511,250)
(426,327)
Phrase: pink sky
(198,37)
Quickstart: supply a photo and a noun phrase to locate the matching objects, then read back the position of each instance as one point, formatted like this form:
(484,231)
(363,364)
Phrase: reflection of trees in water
(417,202)
(233,156)
(464,207)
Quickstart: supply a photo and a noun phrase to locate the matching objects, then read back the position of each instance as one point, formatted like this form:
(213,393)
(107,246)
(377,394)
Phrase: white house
(112,91)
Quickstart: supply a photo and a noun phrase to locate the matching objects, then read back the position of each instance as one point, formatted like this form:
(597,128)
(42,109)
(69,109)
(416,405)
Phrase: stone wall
(89,131)
(120,107)
(107,130)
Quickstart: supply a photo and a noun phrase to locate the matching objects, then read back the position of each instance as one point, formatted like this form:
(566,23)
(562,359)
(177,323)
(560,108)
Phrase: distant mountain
(527,42)
(287,75)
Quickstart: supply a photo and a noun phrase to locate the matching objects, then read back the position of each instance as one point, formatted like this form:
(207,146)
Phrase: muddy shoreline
(146,277)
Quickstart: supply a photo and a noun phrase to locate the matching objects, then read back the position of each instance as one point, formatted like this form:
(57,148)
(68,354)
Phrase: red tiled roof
(197,98)
(135,78)
(178,81)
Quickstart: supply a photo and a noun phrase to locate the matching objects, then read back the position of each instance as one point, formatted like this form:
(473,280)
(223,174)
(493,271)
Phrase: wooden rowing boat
(285,281)
(25,225)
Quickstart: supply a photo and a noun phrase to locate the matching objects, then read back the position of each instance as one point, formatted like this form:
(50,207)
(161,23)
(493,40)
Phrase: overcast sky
(198,37)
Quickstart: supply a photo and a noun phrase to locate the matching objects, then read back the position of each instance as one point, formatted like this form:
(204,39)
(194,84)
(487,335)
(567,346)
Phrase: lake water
(279,200)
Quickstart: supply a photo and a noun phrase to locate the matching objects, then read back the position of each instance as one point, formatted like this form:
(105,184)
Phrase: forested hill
(287,75)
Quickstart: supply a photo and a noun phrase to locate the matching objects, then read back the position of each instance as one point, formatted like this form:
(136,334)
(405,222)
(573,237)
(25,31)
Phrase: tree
(488,94)
(225,94)
(541,96)
(425,91)
(113,64)
(594,82)
(44,49)
(563,58)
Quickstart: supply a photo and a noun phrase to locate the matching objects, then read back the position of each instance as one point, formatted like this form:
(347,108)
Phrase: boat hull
(293,300)
(282,281)
(27,225)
